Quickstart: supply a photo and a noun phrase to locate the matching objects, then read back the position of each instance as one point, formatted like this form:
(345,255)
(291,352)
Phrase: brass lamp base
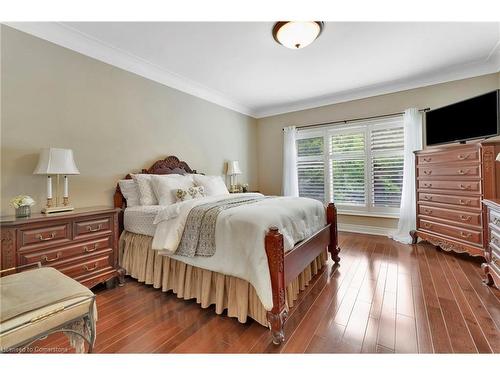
(52,210)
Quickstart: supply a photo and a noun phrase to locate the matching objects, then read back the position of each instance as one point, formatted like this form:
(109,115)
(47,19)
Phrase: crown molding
(479,68)
(77,41)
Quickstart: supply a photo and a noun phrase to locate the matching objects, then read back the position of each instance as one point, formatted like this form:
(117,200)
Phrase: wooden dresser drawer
(460,217)
(91,265)
(463,186)
(494,258)
(35,238)
(93,227)
(447,171)
(55,256)
(459,155)
(462,201)
(462,234)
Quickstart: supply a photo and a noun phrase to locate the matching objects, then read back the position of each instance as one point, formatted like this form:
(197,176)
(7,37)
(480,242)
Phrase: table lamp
(233,170)
(56,161)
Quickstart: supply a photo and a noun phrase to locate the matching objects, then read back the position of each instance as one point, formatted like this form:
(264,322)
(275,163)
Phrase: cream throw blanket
(240,233)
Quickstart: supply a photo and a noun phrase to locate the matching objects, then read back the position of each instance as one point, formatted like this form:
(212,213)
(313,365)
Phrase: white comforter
(239,235)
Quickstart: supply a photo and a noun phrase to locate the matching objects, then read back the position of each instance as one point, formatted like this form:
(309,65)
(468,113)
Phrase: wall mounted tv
(474,118)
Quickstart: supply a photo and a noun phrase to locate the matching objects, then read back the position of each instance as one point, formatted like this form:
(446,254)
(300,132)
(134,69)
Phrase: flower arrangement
(22,201)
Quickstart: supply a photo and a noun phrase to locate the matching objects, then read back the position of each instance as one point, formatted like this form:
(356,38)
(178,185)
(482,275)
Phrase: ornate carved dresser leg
(331,218)
(488,279)
(414,237)
(276,259)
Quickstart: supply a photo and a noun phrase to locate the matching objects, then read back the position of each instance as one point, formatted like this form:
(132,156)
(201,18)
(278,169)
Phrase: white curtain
(290,178)
(412,142)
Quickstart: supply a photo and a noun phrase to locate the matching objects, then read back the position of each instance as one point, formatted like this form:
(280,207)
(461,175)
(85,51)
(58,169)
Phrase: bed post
(333,246)
(276,259)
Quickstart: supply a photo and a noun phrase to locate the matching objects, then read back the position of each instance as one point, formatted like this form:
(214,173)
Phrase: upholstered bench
(38,302)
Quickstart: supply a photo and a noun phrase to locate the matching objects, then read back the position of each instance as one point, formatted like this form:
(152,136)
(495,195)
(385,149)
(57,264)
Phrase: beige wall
(270,128)
(115,122)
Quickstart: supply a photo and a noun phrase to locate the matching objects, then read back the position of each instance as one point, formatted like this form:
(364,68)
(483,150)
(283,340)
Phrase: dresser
(491,267)
(83,244)
(451,182)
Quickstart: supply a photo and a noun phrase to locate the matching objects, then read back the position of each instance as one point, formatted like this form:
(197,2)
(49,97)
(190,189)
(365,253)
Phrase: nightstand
(82,244)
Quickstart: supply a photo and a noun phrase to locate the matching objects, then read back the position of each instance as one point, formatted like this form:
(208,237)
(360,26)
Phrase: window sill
(370,214)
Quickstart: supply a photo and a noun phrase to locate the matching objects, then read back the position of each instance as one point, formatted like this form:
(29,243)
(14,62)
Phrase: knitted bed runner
(198,238)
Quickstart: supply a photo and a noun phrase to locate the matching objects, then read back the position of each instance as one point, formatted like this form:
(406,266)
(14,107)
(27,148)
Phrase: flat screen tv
(474,118)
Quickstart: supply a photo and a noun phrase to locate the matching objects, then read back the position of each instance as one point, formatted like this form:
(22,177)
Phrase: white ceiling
(240,66)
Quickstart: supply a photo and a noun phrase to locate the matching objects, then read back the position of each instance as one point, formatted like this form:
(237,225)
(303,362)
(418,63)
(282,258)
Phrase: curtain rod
(354,120)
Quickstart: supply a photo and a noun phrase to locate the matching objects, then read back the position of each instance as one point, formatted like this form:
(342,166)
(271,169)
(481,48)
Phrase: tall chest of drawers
(491,267)
(82,244)
(451,182)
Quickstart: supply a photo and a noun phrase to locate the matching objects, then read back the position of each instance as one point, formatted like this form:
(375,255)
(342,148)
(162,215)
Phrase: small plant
(22,201)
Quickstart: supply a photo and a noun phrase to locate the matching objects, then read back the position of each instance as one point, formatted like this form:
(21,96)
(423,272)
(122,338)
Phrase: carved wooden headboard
(169,165)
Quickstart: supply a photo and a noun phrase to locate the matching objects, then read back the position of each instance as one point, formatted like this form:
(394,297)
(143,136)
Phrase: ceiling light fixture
(296,34)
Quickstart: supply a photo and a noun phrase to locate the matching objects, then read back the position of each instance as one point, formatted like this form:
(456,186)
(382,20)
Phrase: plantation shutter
(310,168)
(358,166)
(348,168)
(387,145)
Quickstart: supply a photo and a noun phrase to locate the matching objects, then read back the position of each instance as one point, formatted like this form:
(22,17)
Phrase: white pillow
(166,186)
(214,185)
(146,194)
(194,192)
(130,192)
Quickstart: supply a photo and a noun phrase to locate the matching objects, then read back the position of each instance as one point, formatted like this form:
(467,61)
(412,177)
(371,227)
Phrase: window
(358,166)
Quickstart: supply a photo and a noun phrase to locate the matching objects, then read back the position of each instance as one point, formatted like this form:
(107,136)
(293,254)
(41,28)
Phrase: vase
(23,211)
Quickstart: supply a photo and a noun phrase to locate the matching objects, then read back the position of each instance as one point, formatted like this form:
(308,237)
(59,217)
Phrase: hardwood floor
(384,298)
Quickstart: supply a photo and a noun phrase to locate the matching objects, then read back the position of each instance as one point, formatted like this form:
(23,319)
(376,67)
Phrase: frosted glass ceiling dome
(297,34)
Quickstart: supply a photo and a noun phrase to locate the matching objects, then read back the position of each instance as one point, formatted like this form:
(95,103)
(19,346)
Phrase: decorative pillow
(214,185)
(191,193)
(146,194)
(166,186)
(130,192)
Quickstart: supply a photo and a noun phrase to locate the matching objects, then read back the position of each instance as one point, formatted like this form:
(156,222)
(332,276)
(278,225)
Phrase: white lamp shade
(233,167)
(56,161)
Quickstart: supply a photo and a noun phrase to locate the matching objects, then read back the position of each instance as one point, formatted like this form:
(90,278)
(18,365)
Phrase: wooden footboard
(284,268)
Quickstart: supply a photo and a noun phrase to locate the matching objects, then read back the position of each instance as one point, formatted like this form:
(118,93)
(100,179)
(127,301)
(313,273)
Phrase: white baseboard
(366,229)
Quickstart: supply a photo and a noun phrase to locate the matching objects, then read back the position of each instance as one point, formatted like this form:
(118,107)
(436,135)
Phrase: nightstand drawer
(55,256)
(91,265)
(94,227)
(42,237)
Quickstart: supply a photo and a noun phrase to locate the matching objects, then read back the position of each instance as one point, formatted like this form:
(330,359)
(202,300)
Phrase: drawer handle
(427,225)
(98,228)
(46,259)
(463,157)
(465,217)
(427,197)
(427,172)
(464,187)
(427,185)
(87,268)
(42,238)
(464,202)
(496,221)
(494,241)
(427,211)
(494,260)
(427,159)
(89,250)
(465,235)
(461,171)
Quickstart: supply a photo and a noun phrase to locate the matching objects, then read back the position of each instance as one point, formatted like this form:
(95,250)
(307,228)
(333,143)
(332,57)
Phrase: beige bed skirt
(226,292)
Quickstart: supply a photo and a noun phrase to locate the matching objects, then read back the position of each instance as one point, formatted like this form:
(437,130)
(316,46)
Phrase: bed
(290,266)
